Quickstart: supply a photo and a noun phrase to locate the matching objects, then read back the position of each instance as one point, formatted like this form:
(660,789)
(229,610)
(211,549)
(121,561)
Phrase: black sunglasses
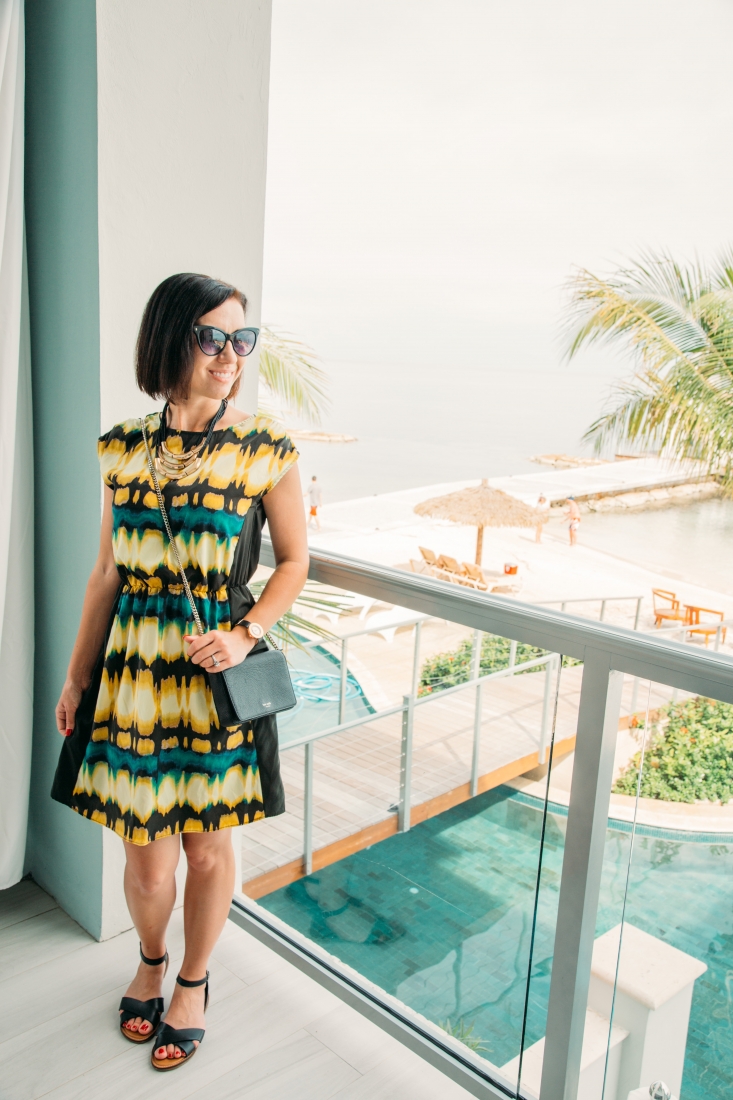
(212,341)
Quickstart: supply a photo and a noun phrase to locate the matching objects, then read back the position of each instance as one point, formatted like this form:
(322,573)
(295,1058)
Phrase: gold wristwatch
(254,630)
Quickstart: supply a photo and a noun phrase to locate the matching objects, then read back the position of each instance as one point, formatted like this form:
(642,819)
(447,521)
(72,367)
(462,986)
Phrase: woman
(158,767)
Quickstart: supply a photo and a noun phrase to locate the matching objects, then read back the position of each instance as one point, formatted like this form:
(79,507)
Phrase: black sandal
(150,1011)
(185,1038)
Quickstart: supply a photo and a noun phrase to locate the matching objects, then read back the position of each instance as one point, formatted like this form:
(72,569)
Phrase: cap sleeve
(111,450)
(285,455)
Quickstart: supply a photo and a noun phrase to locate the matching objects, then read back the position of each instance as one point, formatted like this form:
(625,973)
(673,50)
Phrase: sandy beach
(384,529)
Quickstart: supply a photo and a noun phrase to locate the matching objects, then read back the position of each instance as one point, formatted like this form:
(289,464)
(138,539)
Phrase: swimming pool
(441,918)
(316,677)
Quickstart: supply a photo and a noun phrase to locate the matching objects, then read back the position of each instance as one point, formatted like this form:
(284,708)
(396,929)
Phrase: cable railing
(607,653)
(603,601)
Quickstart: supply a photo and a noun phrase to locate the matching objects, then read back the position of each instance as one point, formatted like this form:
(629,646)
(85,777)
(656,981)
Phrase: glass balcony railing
(453,860)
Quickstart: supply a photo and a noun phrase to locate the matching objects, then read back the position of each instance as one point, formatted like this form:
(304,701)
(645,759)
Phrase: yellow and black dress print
(158,762)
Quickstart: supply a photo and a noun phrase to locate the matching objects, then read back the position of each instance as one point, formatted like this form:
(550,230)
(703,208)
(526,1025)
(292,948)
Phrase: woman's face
(214,375)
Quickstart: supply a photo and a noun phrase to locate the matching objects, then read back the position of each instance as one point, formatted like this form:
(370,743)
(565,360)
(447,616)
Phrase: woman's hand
(67,707)
(219,649)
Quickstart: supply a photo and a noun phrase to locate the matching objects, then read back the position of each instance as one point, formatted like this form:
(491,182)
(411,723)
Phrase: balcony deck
(273,1032)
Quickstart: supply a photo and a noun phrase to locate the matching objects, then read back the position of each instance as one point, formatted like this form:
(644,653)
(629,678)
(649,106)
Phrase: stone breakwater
(641,499)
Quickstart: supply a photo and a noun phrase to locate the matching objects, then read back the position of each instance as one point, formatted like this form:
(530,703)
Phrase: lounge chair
(428,556)
(476,576)
(703,626)
(421,567)
(667,606)
(455,571)
(385,622)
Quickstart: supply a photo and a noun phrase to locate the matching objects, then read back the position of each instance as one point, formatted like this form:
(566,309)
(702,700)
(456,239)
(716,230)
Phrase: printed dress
(158,761)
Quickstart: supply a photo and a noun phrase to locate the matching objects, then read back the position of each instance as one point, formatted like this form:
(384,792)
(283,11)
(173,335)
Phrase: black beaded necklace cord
(177,465)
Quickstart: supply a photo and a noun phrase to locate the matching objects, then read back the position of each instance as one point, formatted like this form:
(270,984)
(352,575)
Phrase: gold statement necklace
(177,464)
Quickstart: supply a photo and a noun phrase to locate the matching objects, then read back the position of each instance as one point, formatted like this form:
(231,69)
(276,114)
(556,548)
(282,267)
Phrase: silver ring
(214,661)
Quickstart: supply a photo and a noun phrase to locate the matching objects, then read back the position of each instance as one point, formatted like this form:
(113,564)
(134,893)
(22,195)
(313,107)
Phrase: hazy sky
(436,168)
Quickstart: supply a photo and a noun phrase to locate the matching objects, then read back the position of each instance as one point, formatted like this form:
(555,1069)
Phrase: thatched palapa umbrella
(479,507)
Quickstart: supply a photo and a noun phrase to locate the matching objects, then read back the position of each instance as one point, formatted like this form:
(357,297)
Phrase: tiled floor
(272,1033)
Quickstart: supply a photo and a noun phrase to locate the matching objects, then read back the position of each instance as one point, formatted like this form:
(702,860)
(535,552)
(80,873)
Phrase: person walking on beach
(187,491)
(573,514)
(315,498)
(543,514)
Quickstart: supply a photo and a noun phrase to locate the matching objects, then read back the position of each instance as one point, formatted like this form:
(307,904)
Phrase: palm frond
(291,626)
(292,373)
(677,322)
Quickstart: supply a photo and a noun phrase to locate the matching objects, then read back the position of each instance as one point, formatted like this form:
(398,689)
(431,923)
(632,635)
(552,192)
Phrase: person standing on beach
(315,498)
(543,514)
(573,514)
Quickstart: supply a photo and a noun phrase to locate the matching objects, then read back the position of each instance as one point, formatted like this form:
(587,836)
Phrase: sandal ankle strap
(192,985)
(153,962)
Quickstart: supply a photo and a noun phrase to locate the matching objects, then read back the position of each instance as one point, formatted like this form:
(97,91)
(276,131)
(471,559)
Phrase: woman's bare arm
(100,595)
(286,521)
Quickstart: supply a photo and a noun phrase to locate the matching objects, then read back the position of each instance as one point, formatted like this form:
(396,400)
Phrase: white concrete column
(653,999)
(182,123)
(182,150)
(146,137)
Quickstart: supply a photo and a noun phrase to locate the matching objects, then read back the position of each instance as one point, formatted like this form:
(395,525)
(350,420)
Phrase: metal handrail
(604,601)
(644,655)
(607,653)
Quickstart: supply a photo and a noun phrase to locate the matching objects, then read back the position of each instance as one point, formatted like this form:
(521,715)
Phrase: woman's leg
(206,902)
(150,890)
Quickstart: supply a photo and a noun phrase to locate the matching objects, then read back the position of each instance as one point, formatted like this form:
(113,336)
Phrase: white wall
(182,115)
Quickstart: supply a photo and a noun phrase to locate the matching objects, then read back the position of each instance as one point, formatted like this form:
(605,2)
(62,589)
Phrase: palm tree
(292,374)
(677,321)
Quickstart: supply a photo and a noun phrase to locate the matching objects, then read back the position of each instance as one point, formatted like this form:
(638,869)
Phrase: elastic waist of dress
(153,586)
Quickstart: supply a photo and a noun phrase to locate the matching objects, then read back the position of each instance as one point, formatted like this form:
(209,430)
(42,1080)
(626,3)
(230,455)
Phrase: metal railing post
(416,659)
(308,810)
(344,679)
(408,716)
(546,708)
(475,656)
(634,694)
(638,612)
(476,742)
(512,653)
(475,674)
(602,615)
(590,796)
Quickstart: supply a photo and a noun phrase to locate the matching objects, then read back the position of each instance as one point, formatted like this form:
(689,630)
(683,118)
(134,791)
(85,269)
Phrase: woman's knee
(207,853)
(151,869)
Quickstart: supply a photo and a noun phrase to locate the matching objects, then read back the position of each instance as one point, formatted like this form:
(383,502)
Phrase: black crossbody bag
(261,683)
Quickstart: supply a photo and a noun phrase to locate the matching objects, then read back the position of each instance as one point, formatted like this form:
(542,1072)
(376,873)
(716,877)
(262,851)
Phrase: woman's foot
(186,1010)
(147,984)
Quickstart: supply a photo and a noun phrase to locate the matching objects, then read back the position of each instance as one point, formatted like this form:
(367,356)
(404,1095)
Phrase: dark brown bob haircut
(166,340)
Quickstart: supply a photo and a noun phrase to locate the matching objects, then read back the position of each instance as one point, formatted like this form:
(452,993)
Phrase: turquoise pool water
(316,678)
(441,918)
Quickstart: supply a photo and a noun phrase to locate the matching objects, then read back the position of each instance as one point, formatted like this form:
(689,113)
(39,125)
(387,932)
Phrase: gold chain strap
(164,514)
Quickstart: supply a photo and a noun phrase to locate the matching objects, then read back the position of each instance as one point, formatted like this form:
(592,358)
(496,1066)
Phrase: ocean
(437,169)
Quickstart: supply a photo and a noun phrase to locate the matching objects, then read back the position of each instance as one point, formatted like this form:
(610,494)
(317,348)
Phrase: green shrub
(689,757)
(463,1031)
(454,667)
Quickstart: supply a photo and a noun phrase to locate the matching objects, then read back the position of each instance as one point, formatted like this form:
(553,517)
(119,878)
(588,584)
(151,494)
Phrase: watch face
(256,630)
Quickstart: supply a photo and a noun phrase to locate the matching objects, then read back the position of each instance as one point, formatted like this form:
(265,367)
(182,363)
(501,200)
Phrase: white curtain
(16,463)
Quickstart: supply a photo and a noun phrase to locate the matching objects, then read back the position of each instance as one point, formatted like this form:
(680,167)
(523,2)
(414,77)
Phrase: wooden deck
(357,773)
(271,1031)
